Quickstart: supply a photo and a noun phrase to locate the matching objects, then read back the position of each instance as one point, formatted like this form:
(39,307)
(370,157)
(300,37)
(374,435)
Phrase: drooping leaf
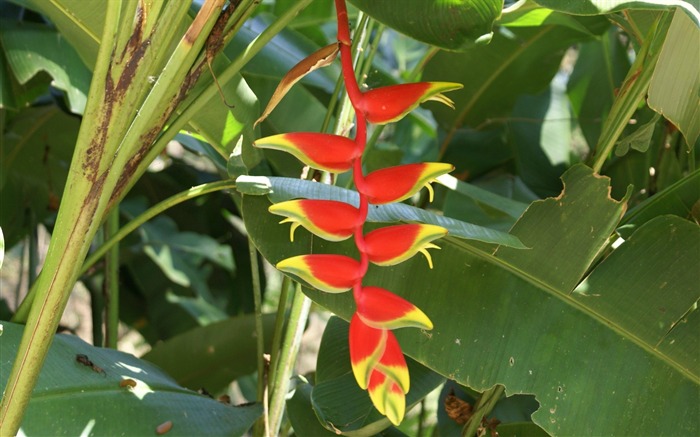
(453,25)
(322,57)
(114,393)
(568,348)
(674,90)
(212,356)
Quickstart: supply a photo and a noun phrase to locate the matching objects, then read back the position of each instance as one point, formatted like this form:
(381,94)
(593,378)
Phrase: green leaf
(674,90)
(301,413)
(449,24)
(519,60)
(214,355)
(281,189)
(339,402)
(597,7)
(35,153)
(30,49)
(512,318)
(71,398)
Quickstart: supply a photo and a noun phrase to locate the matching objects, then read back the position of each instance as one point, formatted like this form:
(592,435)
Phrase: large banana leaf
(599,354)
(113,393)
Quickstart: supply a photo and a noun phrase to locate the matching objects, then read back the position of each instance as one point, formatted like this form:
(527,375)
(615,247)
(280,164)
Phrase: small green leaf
(639,139)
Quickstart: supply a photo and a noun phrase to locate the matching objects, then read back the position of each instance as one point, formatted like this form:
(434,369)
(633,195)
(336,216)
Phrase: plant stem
(279,326)
(298,316)
(257,301)
(23,310)
(483,407)
(111,281)
(632,90)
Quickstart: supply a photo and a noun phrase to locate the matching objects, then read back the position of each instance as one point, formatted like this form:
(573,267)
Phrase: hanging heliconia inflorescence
(377,361)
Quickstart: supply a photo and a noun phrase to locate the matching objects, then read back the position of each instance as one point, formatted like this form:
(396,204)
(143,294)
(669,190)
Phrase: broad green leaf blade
(281,189)
(452,25)
(512,318)
(71,398)
(214,355)
(339,402)
(674,90)
(30,49)
(628,279)
(597,7)
(506,205)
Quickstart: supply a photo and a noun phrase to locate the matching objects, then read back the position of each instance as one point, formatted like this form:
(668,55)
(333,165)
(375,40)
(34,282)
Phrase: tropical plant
(563,299)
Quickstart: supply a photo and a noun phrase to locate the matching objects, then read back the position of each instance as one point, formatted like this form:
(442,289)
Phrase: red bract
(382,309)
(331,153)
(366,348)
(331,273)
(394,184)
(395,244)
(391,103)
(330,220)
(387,397)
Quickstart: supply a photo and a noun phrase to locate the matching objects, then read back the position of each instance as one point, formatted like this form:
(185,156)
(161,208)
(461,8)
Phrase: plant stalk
(482,408)
(298,316)
(259,333)
(111,281)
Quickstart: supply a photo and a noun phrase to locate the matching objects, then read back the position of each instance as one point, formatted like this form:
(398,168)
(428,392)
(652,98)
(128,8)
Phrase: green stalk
(23,311)
(632,91)
(259,333)
(111,281)
(60,272)
(279,326)
(298,316)
(482,408)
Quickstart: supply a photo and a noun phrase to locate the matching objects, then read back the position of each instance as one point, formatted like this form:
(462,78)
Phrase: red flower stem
(355,95)
(351,85)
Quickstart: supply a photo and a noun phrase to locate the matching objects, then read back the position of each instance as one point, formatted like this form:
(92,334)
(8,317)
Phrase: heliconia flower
(387,397)
(393,364)
(329,219)
(367,346)
(382,309)
(331,273)
(394,244)
(332,153)
(391,103)
(394,184)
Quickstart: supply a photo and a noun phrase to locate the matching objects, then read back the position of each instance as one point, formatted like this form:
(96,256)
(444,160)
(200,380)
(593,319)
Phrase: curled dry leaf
(320,58)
